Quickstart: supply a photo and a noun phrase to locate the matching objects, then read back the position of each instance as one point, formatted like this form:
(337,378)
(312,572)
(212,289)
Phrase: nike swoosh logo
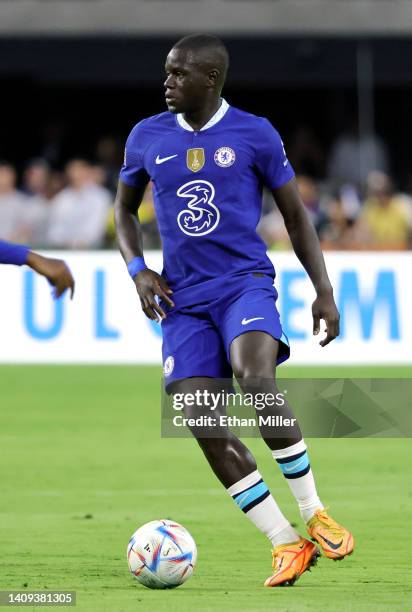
(331,544)
(162,160)
(295,466)
(242,499)
(246,321)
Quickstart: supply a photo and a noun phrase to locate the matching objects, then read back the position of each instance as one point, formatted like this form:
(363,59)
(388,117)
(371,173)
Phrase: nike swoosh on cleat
(246,321)
(162,160)
(331,544)
(281,563)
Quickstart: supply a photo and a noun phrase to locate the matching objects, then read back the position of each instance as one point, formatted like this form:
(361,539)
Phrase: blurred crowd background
(333,76)
(48,203)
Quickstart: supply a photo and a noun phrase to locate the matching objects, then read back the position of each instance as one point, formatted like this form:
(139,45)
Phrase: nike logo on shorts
(162,160)
(246,321)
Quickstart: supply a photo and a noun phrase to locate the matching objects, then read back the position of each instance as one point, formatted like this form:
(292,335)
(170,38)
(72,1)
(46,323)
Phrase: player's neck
(199,118)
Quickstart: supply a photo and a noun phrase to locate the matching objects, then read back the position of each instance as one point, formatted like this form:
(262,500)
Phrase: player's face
(186,83)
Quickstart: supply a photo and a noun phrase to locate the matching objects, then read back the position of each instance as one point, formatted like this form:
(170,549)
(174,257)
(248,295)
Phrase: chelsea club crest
(225,157)
(168,366)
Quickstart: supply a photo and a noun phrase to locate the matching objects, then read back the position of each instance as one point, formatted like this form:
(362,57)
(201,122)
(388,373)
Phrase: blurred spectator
(272,228)
(310,197)
(353,157)
(35,177)
(98,175)
(340,232)
(273,232)
(11,204)
(34,223)
(55,183)
(306,153)
(79,212)
(147,218)
(386,219)
(109,154)
(350,201)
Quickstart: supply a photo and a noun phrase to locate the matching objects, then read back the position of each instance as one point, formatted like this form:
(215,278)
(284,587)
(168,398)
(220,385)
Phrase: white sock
(253,497)
(294,463)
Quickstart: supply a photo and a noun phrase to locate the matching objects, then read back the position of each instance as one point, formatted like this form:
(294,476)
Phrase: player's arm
(129,234)
(55,270)
(307,248)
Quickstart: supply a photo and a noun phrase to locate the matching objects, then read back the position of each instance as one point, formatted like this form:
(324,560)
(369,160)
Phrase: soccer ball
(161,554)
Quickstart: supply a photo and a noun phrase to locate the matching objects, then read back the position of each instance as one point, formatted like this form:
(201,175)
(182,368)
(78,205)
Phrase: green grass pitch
(82,465)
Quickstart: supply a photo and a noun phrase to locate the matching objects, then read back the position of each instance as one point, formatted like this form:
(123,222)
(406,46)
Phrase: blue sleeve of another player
(15,254)
(133,172)
(271,160)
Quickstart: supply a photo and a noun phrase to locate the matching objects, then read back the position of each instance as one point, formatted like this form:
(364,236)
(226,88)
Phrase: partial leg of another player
(253,357)
(236,468)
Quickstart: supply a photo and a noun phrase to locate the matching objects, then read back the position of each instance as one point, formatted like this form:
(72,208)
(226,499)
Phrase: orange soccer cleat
(290,561)
(335,541)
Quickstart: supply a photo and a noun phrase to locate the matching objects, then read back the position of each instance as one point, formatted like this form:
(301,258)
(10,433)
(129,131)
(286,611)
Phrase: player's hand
(55,270)
(324,307)
(149,284)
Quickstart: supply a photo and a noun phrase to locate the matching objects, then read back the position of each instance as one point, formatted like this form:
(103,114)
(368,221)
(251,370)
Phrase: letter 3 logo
(202,216)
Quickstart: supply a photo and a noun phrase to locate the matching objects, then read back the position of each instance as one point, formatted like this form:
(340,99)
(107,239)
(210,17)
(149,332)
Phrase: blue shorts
(197,339)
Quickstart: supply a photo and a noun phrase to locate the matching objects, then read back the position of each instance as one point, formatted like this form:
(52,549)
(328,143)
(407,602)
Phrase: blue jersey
(11,253)
(207,188)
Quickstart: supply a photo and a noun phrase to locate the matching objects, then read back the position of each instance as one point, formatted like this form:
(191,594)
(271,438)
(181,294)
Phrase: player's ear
(213,77)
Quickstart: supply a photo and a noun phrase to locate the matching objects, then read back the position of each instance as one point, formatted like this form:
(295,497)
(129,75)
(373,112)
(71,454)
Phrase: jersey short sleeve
(133,172)
(271,160)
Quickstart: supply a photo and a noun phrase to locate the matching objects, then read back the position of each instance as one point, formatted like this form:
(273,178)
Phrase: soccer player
(208,162)
(55,270)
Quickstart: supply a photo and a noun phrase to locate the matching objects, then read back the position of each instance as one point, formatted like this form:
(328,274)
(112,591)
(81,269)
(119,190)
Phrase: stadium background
(82,460)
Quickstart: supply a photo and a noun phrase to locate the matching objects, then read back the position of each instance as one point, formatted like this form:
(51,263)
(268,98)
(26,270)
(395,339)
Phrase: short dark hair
(37,162)
(212,47)
(4,163)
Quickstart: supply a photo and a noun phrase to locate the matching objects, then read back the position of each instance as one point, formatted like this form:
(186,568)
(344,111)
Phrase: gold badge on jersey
(195,159)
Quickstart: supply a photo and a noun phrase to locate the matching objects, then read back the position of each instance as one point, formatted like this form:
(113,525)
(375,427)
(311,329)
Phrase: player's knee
(252,379)
(257,372)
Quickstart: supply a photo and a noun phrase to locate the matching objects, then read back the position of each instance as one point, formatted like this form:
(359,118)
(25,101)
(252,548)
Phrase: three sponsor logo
(202,215)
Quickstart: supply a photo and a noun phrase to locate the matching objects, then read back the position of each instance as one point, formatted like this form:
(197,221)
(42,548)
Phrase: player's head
(196,69)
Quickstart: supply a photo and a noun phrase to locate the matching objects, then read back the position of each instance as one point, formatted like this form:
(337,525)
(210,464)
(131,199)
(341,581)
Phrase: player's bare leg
(236,468)
(253,356)
(228,457)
